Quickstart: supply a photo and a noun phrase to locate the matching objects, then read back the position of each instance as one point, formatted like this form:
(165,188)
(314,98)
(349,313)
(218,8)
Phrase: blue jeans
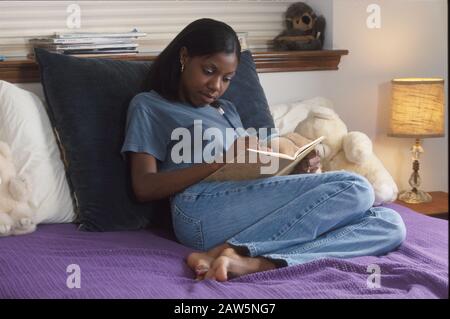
(288,219)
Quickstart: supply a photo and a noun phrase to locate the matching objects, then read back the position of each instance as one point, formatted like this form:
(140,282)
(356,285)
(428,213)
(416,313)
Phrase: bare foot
(230,265)
(200,262)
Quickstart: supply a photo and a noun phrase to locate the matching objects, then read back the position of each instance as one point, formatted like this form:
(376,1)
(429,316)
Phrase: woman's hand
(309,164)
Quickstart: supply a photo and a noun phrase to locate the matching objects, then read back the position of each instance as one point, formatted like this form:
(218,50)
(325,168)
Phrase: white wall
(412,41)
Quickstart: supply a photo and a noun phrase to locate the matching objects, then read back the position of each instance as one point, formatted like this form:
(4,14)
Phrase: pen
(222,112)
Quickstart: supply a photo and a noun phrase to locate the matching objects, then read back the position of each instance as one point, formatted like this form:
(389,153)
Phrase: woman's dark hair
(201,37)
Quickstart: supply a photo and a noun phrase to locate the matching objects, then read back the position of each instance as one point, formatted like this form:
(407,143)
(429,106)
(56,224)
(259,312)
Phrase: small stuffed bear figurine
(350,151)
(16,215)
(304,30)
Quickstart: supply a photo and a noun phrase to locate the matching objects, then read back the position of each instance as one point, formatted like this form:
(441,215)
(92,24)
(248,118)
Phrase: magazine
(61,47)
(131,34)
(94,54)
(96,40)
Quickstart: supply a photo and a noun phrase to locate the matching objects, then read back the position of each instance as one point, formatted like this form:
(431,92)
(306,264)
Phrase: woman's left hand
(309,164)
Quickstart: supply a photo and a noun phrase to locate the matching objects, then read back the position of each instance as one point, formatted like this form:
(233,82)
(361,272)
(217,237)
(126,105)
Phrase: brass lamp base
(415,197)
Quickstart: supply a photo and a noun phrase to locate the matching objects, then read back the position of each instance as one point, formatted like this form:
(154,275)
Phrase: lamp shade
(417,107)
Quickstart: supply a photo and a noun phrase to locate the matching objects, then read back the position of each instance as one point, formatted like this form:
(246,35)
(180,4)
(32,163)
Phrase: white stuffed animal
(350,151)
(16,215)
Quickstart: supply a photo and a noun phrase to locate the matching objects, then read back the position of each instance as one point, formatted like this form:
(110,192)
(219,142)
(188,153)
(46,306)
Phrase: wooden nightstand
(438,207)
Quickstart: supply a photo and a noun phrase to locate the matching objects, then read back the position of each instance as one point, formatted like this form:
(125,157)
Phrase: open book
(284,164)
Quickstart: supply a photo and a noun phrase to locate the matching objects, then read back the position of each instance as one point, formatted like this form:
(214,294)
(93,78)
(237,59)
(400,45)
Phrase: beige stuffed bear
(16,215)
(350,151)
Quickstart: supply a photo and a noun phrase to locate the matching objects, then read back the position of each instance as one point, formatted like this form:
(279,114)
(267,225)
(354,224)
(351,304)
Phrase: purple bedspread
(149,264)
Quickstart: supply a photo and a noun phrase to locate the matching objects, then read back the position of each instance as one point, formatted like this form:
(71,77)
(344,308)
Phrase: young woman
(239,227)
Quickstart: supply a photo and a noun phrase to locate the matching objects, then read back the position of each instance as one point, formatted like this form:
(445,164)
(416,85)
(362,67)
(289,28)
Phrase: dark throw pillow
(87,102)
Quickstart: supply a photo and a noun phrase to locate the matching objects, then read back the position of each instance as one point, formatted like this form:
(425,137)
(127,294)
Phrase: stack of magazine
(90,44)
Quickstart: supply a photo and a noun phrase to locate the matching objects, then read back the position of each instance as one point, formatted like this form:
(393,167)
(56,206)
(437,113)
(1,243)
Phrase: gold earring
(182,67)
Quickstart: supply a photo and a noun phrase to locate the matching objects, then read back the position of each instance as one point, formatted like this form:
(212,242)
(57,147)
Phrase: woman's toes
(221,273)
(201,270)
(210,274)
(220,268)
(200,277)
(192,259)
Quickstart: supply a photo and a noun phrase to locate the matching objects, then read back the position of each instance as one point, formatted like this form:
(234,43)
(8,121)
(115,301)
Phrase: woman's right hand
(309,164)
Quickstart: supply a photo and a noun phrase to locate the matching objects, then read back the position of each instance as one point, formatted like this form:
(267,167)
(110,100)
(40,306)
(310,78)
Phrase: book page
(297,153)
(305,151)
(308,146)
(274,154)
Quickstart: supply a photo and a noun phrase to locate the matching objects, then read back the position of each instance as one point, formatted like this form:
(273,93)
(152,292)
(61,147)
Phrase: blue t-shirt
(152,119)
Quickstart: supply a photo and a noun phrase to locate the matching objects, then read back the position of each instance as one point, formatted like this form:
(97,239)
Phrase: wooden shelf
(26,71)
(291,61)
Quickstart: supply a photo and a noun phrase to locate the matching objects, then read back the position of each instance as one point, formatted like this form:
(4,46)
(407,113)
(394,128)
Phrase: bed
(150,264)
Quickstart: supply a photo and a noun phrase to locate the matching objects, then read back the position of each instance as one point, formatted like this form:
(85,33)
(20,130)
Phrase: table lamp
(417,112)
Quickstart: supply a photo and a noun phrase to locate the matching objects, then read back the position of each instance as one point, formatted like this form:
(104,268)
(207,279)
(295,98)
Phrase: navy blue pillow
(87,103)
(247,94)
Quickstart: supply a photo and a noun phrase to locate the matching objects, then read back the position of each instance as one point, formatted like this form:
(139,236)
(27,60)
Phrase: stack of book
(90,44)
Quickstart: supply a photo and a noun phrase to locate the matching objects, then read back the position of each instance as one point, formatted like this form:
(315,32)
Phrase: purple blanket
(149,264)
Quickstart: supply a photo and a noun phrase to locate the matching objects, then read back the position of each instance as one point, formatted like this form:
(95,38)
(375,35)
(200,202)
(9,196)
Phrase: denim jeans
(288,219)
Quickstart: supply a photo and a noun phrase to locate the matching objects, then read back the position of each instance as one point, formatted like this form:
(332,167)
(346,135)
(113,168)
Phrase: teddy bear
(350,151)
(16,214)
(304,29)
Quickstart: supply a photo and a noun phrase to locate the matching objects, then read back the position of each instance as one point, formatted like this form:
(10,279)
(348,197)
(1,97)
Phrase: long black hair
(201,37)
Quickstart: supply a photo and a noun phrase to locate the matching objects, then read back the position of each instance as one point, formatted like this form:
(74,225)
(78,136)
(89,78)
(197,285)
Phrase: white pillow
(287,116)
(25,126)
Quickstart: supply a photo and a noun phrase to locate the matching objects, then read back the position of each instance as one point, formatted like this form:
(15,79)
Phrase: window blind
(20,21)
